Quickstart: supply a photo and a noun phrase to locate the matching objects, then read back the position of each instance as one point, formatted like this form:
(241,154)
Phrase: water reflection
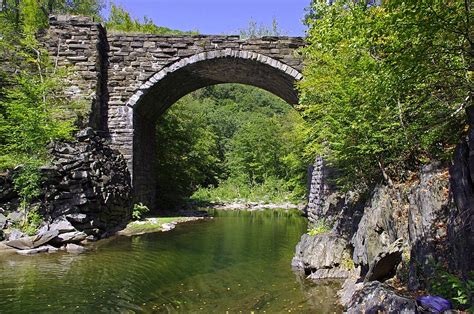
(239,261)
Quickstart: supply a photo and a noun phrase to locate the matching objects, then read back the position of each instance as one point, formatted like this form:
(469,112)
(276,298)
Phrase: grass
(236,190)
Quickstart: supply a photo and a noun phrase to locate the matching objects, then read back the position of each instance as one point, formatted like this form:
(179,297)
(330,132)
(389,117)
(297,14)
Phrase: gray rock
(15,234)
(27,243)
(51,249)
(376,297)
(324,254)
(69,237)
(62,225)
(350,286)
(74,248)
(77,218)
(15,216)
(332,273)
(41,249)
(385,264)
(3,221)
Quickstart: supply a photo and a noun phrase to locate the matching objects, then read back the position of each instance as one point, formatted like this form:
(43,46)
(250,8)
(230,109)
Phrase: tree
(385,85)
(121,20)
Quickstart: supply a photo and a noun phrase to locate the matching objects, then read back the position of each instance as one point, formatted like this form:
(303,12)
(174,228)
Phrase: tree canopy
(385,84)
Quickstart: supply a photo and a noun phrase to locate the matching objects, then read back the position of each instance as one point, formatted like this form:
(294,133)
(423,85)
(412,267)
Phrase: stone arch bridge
(131,79)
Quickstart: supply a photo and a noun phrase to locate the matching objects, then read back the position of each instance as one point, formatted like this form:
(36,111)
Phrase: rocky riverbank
(85,195)
(390,242)
(253,206)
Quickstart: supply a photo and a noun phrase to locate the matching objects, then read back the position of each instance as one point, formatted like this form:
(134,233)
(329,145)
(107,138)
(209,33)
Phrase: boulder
(38,240)
(322,256)
(15,234)
(62,225)
(376,297)
(384,265)
(69,237)
(74,248)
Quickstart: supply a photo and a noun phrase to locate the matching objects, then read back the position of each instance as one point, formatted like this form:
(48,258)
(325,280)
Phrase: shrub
(138,211)
(33,222)
(319,227)
(451,287)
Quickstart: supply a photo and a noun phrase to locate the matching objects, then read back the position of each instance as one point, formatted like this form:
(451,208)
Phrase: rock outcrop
(375,297)
(416,213)
(324,256)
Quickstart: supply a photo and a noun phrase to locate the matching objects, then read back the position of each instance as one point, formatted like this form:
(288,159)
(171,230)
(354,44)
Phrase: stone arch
(188,74)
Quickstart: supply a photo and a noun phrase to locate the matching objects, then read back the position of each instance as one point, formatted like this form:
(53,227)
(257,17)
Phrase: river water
(238,261)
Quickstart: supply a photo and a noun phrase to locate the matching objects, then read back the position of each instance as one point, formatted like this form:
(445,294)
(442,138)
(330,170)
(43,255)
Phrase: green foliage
(32,223)
(384,86)
(458,291)
(319,227)
(33,107)
(231,142)
(121,21)
(27,180)
(239,189)
(32,15)
(139,210)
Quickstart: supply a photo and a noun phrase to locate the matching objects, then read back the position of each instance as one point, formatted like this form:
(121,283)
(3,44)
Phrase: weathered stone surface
(74,248)
(15,216)
(69,237)
(62,225)
(375,297)
(322,256)
(131,79)
(3,221)
(385,264)
(27,243)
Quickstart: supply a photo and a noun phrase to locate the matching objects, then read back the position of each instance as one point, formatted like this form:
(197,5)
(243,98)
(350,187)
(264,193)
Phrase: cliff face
(417,212)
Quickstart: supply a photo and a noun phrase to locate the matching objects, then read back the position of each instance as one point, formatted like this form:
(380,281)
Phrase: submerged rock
(41,249)
(74,248)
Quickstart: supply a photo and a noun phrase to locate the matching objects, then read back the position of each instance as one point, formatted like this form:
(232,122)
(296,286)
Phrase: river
(238,261)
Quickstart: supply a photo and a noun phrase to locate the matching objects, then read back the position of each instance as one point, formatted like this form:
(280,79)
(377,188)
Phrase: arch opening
(170,84)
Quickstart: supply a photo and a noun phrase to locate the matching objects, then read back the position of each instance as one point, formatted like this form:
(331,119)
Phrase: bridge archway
(172,82)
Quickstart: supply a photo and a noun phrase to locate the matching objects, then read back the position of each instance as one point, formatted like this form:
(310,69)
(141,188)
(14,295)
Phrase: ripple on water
(238,261)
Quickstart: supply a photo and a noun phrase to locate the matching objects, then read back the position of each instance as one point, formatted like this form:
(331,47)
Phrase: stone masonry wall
(113,71)
(79,44)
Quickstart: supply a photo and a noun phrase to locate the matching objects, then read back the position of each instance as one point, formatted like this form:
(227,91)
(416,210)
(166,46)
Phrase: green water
(238,261)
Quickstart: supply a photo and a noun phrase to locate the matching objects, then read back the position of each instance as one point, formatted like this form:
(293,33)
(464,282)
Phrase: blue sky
(220,16)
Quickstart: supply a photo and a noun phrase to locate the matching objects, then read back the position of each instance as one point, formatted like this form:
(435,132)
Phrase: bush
(320,227)
(138,211)
(32,223)
(451,287)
